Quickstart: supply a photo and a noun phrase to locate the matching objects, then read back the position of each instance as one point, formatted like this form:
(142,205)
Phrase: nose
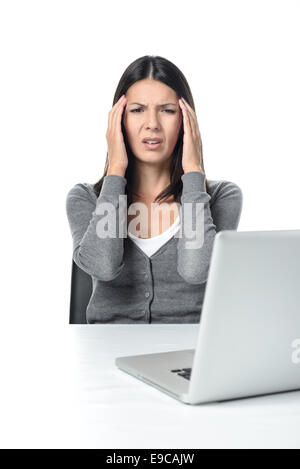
(153,122)
(152,127)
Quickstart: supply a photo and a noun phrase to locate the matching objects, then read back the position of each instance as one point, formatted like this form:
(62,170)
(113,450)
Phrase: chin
(152,158)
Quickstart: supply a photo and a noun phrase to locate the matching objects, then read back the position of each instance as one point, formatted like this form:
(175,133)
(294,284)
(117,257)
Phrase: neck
(149,180)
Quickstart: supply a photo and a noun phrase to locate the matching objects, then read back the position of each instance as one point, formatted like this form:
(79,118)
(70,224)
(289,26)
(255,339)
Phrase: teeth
(151,141)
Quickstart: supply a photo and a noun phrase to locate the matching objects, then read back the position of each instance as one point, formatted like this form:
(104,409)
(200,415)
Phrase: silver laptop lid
(250,321)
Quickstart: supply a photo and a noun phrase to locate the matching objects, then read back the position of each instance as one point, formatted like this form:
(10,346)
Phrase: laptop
(248,340)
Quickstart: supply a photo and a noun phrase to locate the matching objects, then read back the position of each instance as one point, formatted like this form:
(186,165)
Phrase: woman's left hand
(192,143)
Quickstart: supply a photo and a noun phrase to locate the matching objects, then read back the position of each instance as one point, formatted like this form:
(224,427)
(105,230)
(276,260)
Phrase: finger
(189,107)
(112,112)
(194,120)
(186,122)
(189,120)
(191,111)
(118,115)
(198,135)
(117,112)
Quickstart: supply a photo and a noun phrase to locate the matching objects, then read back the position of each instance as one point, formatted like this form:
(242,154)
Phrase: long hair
(160,69)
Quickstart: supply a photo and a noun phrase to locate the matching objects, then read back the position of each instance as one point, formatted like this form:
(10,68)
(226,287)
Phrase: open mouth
(152,144)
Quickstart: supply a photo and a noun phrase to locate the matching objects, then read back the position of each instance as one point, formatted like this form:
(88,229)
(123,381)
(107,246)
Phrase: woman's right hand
(117,155)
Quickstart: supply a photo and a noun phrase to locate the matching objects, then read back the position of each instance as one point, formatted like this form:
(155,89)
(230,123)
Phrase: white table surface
(63,390)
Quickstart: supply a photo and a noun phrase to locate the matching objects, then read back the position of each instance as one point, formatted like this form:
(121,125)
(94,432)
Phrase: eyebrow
(159,105)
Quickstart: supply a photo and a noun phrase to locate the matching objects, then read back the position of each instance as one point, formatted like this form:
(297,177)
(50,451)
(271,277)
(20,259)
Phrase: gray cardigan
(129,286)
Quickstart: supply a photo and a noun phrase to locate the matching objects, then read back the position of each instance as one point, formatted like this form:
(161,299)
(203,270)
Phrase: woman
(154,267)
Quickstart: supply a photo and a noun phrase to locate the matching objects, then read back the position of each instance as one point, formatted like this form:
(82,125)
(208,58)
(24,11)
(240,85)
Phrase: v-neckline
(158,252)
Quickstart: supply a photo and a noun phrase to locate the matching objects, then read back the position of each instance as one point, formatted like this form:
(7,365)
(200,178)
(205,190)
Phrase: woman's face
(157,115)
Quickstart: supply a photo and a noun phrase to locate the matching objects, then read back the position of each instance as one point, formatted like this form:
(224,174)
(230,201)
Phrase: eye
(165,110)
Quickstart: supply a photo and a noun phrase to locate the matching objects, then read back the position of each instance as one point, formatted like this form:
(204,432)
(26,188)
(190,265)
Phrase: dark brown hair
(160,69)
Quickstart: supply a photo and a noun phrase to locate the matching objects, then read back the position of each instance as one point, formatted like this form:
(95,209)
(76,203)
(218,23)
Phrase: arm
(99,257)
(224,214)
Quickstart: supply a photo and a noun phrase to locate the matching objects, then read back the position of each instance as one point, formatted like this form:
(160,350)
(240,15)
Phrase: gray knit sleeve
(97,255)
(223,214)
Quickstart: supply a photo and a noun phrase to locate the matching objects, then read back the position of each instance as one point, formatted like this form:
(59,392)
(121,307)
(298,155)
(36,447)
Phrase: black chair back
(81,291)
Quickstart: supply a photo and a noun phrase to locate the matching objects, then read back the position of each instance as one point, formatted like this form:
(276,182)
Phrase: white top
(151,245)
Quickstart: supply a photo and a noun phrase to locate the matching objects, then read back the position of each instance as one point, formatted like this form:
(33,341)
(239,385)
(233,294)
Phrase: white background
(60,65)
